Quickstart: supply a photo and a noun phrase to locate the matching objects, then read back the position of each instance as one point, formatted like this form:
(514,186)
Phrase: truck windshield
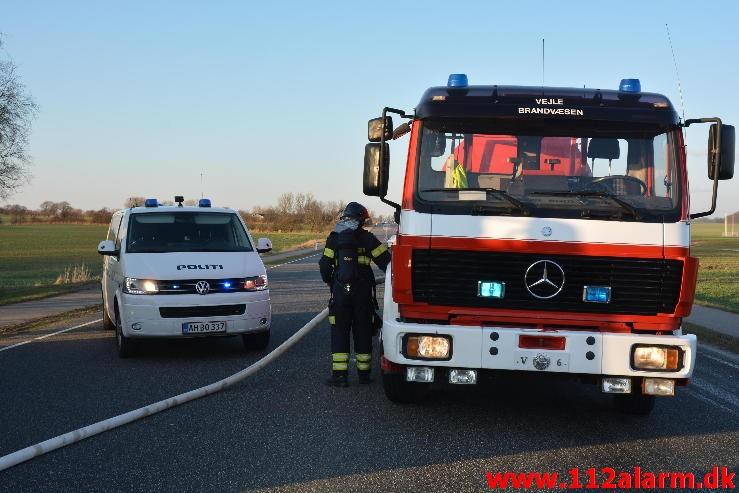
(186,232)
(630,175)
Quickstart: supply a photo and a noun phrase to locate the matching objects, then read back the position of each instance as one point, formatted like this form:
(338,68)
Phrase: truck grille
(638,286)
(201,311)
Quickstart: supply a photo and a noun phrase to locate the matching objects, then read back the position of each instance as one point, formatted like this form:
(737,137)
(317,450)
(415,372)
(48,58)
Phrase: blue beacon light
(204,203)
(151,203)
(457,80)
(629,85)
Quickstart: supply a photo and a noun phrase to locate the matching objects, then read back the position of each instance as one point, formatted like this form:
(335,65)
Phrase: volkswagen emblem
(546,231)
(541,362)
(202,287)
(544,279)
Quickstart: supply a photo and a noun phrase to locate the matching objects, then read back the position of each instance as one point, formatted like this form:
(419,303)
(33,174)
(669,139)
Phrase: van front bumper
(165,315)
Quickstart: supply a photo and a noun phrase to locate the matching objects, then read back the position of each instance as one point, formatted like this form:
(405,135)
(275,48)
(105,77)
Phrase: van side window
(115,225)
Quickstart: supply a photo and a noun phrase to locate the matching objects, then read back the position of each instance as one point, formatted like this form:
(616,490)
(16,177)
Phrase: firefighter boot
(338,379)
(364,376)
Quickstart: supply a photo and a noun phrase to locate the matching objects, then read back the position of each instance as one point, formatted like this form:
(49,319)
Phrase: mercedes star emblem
(544,279)
(202,287)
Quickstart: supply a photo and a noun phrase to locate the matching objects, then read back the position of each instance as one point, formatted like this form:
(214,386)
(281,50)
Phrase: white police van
(183,271)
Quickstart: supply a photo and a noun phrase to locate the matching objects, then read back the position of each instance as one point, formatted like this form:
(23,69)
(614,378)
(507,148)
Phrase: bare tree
(17,109)
(134,202)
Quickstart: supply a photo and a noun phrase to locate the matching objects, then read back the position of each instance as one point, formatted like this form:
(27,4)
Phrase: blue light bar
(204,203)
(596,294)
(490,289)
(151,203)
(457,80)
(629,85)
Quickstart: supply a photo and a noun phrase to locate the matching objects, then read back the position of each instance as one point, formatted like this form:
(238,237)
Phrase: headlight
(428,347)
(256,283)
(666,358)
(131,285)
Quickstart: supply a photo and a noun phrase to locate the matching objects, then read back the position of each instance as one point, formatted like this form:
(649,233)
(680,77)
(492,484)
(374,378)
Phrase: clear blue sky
(141,98)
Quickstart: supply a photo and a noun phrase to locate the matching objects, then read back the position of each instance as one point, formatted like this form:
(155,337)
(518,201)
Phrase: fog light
(490,289)
(596,294)
(655,358)
(463,377)
(136,326)
(422,374)
(615,385)
(658,386)
(427,347)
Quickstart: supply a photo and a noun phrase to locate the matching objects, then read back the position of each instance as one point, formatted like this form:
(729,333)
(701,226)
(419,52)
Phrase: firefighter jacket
(369,249)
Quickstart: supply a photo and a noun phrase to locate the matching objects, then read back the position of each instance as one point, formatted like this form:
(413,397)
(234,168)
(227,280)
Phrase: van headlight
(132,285)
(256,283)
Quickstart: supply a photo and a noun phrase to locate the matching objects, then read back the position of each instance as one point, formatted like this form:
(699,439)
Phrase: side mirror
(375,173)
(725,167)
(107,247)
(402,129)
(375,129)
(264,245)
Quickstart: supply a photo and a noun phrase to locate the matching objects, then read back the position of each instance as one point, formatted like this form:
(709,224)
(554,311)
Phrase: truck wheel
(108,324)
(126,347)
(258,340)
(636,404)
(397,389)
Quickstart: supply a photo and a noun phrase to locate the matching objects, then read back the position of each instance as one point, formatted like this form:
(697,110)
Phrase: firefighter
(345,267)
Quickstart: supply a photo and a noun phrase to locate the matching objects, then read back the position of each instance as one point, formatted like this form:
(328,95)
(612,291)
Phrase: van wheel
(636,404)
(258,340)
(108,324)
(397,389)
(126,347)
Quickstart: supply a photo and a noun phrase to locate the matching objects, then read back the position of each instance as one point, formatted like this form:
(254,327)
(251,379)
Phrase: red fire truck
(542,230)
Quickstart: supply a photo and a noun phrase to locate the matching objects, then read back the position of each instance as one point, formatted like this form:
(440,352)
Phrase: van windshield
(186,232)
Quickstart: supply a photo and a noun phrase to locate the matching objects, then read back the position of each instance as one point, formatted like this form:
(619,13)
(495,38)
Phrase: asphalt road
(283,430)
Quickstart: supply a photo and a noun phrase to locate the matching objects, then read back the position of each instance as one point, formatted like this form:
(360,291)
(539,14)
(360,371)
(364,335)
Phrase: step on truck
(541,230)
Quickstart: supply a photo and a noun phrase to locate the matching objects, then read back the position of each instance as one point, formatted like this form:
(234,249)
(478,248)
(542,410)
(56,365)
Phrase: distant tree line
(55,212)
(293,212)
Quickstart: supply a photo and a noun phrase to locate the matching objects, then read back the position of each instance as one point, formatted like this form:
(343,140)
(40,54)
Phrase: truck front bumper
(503,348)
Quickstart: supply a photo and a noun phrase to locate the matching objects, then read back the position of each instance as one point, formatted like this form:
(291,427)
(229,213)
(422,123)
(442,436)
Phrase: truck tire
(636,404)
(126,347)
(397,389)
(257,340)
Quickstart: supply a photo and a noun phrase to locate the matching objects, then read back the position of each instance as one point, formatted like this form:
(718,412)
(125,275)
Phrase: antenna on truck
(542,61)
(677,74)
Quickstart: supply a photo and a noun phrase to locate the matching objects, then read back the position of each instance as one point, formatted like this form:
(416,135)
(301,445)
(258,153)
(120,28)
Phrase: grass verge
(43,323)
(708,336)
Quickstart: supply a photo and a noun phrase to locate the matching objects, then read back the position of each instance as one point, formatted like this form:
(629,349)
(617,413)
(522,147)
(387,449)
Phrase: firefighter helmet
(357,211)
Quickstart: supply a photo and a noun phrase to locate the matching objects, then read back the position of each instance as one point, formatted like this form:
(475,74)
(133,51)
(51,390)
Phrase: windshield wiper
(593,193)
(498,193)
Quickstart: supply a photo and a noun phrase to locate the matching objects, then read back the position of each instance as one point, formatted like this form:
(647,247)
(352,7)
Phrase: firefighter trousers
(351,311)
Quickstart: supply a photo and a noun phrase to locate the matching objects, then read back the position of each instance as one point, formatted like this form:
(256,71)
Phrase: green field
(34,256)
(718,277)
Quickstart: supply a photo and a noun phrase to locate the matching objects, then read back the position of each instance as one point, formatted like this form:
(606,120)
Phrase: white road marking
(51,334)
